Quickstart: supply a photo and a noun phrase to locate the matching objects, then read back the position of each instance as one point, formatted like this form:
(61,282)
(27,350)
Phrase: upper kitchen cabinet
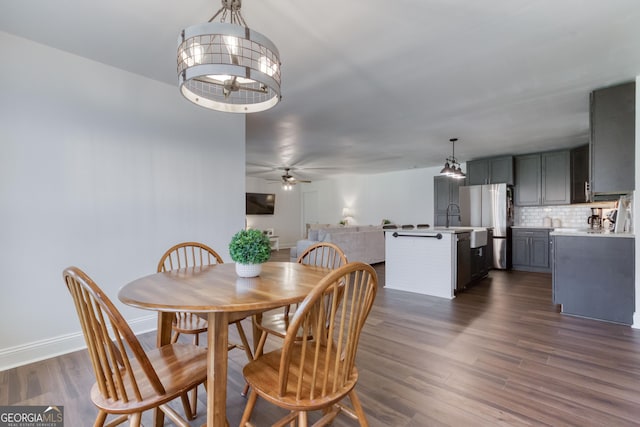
(579,174)
(496,170)
(543,179)
(556,178)
(613,139)
(527,189)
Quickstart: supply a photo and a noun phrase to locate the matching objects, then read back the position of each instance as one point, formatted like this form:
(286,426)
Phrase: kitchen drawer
(531,233)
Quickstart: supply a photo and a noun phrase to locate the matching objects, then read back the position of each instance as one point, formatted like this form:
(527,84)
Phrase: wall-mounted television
(261,203)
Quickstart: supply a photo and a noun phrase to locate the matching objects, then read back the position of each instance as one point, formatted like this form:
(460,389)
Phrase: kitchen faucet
(450,213)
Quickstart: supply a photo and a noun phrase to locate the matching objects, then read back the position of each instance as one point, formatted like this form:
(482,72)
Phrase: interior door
(309,210)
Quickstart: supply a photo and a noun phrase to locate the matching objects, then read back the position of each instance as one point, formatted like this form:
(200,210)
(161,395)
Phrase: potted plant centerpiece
(249,249)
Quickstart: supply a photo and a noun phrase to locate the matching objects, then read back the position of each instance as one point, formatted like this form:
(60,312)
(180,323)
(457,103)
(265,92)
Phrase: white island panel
(419,262)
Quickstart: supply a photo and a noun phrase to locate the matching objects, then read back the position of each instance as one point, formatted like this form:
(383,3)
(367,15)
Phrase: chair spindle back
(335,324)
(188,254)
(110,342)
(323,254)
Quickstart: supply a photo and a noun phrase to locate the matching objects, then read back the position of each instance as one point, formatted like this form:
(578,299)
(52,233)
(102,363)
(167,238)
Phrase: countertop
(588,232)
(571,231)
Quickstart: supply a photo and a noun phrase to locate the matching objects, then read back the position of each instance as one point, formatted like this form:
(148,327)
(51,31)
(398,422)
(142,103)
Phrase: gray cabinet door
(454,190)
(528,182)
(579,173)
(478,172)
(539,252)
(439,220)
(501,170)
(441,194)
(613,139)
(556,177)
(445,192)
(520,248)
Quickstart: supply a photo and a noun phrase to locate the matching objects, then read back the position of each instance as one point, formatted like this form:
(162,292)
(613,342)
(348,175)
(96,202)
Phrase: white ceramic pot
(248,270)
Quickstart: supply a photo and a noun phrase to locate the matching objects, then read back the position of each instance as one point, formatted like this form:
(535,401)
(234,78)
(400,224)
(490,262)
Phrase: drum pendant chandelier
(226,66)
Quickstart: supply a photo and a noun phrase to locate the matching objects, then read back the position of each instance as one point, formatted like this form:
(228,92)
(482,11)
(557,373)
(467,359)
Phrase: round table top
(217,288)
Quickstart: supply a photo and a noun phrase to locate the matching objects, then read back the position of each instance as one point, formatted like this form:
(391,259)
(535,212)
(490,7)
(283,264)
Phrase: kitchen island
(594,275)
(427,261)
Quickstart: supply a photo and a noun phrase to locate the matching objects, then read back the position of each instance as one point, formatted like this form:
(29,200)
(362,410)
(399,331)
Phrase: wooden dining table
(218,293)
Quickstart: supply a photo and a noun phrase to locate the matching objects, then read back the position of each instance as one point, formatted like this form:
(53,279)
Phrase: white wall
(102,169)
(404,197)
(287,214)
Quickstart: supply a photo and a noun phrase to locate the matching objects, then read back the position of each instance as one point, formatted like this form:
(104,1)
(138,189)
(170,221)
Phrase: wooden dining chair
(194,254)
(316,374)
(129,380)
(322,254)
(276,322)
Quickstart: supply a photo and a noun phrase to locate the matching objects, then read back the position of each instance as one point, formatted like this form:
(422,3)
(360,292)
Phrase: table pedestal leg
(165,322)
(218,340)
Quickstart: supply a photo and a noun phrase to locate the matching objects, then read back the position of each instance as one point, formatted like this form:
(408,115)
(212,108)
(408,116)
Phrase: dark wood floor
(498,354)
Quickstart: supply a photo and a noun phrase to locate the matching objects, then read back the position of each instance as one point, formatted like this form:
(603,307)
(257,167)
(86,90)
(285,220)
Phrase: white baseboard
(636,320)
(63,344)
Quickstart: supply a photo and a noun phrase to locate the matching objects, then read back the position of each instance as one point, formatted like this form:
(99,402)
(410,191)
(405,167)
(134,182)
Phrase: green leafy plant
(385,221)
(250,247)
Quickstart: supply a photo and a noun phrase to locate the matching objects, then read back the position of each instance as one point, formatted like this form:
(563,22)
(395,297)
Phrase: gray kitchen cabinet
(594,277)
(497,170)
(528,181)
(613,116)
(556,178)
(543,179)
(530,249)
(579,173)
(445,192)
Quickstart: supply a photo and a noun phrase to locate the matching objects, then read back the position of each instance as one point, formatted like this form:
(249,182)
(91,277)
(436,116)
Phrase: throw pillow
(313,235)
(322,235)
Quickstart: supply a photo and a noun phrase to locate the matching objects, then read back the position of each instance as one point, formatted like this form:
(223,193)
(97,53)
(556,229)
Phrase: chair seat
(276,322)
(189,323)
(263,375)
(180,367)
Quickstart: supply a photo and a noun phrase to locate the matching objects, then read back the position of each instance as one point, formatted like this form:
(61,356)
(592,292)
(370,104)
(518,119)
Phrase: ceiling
(376,86)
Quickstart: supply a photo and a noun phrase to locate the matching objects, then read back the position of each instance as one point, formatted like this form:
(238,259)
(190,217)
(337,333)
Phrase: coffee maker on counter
(595,219)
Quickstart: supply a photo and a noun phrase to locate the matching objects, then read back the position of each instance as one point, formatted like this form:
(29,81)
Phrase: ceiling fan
(288,181)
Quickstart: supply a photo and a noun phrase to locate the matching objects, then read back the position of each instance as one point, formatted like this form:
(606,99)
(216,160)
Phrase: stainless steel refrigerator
(490,206)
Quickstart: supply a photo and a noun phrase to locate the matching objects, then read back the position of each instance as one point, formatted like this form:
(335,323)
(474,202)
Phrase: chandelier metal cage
(451,166)
(227,66)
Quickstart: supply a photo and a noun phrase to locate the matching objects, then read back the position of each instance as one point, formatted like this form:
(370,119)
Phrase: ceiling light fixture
(451,166)
(226,66)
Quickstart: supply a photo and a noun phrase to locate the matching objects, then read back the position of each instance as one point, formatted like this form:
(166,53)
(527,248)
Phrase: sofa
(359,243)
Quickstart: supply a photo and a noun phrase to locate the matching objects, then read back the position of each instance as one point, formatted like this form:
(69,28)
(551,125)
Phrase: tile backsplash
(567,215)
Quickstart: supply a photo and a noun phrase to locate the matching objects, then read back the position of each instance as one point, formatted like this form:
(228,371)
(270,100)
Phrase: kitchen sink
(478,238)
